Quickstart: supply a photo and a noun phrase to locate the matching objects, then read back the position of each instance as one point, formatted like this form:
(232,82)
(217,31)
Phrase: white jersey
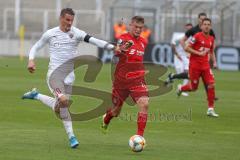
(62,45)
(182,65)
(177,36)
(62,48)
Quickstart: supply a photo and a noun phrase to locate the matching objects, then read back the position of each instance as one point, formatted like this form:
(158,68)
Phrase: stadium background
(97,17)
(29,131)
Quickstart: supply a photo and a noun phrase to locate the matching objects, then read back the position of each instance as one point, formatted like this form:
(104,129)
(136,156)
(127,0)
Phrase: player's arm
(83,36)
(183,41)
(36,47)
(105,45)
(212,56)
(173,45)
(98,42)
(189,48)
(175,52)
(188,34)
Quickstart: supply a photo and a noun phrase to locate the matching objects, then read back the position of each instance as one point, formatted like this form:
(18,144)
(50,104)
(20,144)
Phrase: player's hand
(204,52)
(215,65)
(125,46)
(117,48)
(31,66)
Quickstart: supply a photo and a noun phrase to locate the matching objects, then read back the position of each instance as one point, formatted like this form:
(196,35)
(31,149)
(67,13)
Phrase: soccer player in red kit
(129,76)
(201,48)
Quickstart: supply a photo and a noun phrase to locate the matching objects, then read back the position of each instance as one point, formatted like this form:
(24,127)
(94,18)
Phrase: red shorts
(136,91)
(196,73)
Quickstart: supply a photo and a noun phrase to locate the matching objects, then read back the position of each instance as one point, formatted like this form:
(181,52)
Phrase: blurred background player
(201,48)
(188,34)
(129,76)
(63,41)
(119,29)
(146,33)
(196,29)
(181,58)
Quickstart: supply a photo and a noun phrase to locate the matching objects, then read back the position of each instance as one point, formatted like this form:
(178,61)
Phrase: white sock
(67,121)
(49,101)
(211,109)
(185,81)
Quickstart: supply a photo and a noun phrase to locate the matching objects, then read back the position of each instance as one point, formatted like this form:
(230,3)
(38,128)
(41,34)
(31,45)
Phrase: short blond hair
(138,19)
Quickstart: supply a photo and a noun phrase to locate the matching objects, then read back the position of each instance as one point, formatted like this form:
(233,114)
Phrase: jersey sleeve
(80,35)
(39,44)
(193,40)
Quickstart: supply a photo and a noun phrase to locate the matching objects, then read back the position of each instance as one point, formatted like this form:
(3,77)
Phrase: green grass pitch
(30,131)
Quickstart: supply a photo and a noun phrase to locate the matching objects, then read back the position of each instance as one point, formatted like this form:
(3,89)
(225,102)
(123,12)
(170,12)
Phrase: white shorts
(181,66)
(59,85)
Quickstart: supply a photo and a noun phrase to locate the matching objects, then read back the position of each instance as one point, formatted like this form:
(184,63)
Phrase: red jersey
(130,68)
(201,42)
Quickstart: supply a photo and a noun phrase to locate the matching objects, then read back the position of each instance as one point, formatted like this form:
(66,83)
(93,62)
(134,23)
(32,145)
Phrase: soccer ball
(137,143)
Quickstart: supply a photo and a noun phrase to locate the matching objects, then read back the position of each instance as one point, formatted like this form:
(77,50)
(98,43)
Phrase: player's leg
(47,100)
(140,96)
(180,74)
(63,105)
(178,69)
(185,60)
(183,72)
(185,69)
(60,106)
(209,82)
(62,92)
(34,94)
(194,75)
(118,97)
(142,103)
(183,75)
(64,112)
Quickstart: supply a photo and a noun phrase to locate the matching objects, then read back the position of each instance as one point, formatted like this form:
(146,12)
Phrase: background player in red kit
(129,75)
(201,48)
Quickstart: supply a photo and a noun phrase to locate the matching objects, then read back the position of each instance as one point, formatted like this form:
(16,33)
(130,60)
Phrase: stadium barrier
(228,58)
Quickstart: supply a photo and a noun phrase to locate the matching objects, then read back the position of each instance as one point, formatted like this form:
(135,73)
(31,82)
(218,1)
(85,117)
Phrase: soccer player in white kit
(181,59)
(63,41)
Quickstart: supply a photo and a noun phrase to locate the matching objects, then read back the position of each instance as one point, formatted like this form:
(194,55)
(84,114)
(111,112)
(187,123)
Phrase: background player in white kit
(181,59)
(63,41)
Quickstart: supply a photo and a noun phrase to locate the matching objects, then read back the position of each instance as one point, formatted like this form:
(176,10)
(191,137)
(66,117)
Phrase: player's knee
(209,86)
(143,103)
(63,101)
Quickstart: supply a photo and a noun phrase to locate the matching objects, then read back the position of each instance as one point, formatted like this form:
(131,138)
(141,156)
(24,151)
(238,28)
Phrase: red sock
(187,87)
(108,117)
(141,122)
(211,96)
